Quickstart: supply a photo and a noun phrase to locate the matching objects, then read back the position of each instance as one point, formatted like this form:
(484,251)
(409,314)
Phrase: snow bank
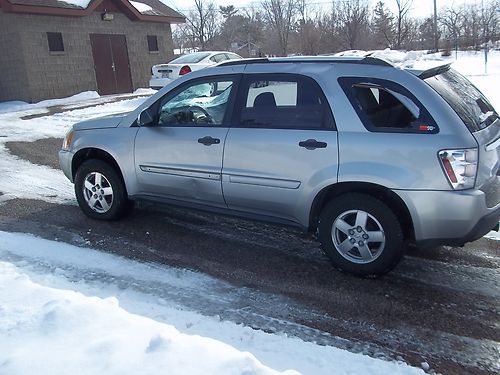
(22,179)
(81,3)
(23,106)
(123,317)
(50,331)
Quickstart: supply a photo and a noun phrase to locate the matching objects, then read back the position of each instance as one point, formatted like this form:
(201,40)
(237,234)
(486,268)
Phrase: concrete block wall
(13,78)
(56,74)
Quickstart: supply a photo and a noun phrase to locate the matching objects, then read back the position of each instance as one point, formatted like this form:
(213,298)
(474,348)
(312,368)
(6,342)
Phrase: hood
(111,121)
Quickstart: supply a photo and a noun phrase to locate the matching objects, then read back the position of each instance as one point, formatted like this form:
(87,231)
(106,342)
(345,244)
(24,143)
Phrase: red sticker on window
(426,128)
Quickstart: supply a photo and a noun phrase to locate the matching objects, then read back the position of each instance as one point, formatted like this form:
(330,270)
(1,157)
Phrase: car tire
(361,235)
(100,191)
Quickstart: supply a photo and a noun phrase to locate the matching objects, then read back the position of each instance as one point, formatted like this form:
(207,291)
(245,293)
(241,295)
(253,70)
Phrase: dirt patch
(41,152)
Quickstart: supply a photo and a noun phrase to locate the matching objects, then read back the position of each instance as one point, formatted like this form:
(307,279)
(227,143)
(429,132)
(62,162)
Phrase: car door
(179,156)
(281,145)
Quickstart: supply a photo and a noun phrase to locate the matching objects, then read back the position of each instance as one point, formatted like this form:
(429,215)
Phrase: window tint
(283,101)
(465,99)
(199,104)
(385,106)
(192,58)
(152,43)
(385,109)
(55,42)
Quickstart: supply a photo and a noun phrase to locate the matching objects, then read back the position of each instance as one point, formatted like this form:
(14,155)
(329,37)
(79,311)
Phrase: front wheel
(361,235)
(100,191)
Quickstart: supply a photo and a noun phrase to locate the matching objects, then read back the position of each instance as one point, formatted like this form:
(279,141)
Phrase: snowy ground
(56,296)
(53,319)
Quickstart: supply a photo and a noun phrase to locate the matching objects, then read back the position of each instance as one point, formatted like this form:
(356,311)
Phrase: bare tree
(306,36)
(202,21)
(353,21)
(452,21)
(183,38)
(490,19)
(280,15)
(383,26)
(228,11)
(402,25)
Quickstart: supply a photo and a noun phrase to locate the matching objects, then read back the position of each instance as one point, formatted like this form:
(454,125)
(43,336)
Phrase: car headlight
(67,139)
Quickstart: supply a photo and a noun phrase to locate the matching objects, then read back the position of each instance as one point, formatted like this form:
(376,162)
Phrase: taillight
(460,166)
(184,70)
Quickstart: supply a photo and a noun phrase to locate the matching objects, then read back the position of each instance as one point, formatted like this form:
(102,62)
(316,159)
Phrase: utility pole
(485,42)
(436,46)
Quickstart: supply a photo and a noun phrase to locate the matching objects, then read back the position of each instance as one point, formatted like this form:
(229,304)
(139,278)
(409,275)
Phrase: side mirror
(145,118)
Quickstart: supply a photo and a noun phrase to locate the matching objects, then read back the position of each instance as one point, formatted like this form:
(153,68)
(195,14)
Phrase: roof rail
(368,60)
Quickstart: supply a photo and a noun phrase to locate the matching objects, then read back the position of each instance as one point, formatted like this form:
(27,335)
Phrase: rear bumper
(483,226)
(157,83)
(449,217)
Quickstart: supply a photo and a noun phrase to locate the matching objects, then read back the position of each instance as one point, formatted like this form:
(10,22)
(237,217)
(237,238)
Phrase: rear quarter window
(385,106)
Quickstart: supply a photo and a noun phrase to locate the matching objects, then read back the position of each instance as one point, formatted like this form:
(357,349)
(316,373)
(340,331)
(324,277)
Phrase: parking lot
(438,307)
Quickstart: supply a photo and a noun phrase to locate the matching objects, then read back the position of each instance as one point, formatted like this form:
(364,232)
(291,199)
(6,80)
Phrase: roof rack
(368,60)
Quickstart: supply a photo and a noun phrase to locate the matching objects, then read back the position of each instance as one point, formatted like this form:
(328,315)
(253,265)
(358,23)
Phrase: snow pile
(22,179)
(80,3)
(493,235)
(141,7)
(122,316)
(48,331)
(22,106)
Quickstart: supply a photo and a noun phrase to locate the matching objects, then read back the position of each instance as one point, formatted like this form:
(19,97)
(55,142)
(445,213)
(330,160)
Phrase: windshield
(192,58)
(465,99)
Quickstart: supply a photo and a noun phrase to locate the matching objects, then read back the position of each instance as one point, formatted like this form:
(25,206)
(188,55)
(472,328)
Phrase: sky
(420,8)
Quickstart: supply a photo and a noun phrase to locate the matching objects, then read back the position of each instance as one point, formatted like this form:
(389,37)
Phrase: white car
(163,74)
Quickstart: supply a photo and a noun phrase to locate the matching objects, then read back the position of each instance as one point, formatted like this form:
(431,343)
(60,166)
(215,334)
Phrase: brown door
(112,70)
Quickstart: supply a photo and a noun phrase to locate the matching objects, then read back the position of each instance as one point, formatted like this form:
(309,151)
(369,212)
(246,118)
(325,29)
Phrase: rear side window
(283,101)
(385,109)
(385,106)
(466,100)
(219,58)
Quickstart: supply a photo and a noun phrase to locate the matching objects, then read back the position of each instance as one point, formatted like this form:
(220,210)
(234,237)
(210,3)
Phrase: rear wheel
(100,191)
(361,235)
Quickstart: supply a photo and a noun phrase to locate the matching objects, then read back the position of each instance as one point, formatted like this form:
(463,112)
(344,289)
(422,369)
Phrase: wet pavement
(440,306)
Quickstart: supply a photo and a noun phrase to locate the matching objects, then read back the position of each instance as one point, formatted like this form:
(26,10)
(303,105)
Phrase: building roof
(139,10)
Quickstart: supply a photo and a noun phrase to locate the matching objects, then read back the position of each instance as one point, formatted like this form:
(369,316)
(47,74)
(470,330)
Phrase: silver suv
(369,156)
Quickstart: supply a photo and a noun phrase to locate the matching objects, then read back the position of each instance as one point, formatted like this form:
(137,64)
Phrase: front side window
(283,101)
(385,106)
(203,103)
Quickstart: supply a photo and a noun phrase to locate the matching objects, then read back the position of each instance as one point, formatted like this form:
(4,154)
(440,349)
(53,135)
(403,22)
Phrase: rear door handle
(208,141)
(312,144)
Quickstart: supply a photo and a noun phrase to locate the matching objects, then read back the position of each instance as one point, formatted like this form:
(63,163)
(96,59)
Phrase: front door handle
(312,144)
(208,141)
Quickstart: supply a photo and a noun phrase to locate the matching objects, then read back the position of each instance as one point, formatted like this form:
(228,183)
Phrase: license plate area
(165,73)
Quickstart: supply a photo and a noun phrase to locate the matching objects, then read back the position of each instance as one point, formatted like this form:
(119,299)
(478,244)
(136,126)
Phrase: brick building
(51,48)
